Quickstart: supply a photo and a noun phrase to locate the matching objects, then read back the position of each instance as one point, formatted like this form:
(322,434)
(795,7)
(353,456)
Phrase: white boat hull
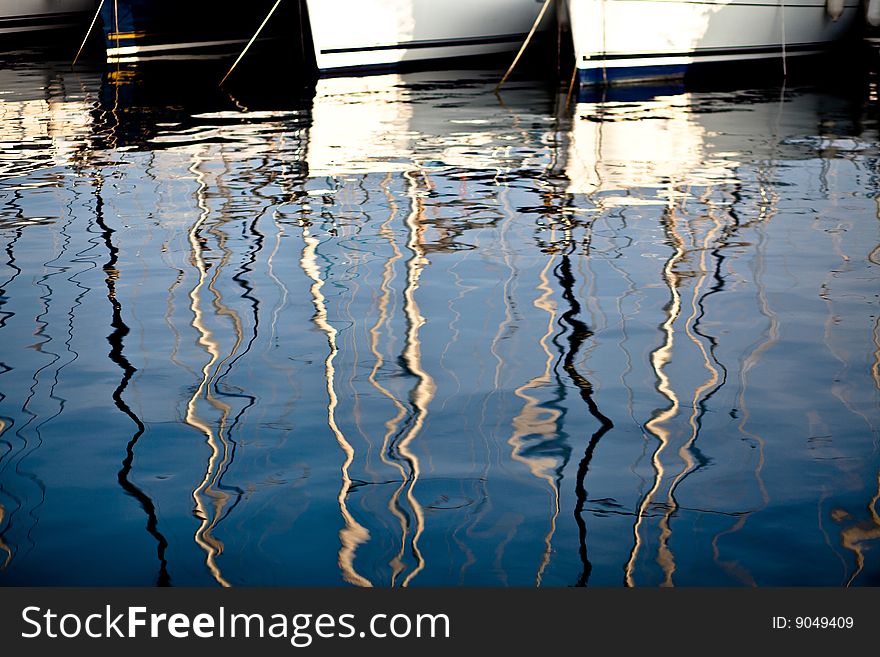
(641,40)
(352,34)
(20,16)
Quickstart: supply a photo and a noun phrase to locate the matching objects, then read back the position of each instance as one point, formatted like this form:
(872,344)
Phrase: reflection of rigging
(227,403)
(228,391)
(116,340)
(702,393)
(4,548)
(657,425)
(411,359)
(857,534)
(7,423)
(578,333)
(353,534)
(418,386)
(217,443)
(769,338)
(391,425)
(58,363)
(854,537)
(536,420)
(29,446)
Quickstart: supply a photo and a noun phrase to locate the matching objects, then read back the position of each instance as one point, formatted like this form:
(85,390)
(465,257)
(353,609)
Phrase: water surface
(402,331)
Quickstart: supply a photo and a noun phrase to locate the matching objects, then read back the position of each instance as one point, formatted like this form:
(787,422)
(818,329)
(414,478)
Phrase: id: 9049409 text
(813,622)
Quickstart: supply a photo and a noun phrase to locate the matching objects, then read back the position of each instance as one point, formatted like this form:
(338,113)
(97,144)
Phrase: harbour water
(399,330)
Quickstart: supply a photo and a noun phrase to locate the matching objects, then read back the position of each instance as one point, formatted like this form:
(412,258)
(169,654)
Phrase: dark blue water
(403,331)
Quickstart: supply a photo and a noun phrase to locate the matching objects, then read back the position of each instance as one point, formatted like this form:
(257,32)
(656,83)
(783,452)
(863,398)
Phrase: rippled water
(400,331)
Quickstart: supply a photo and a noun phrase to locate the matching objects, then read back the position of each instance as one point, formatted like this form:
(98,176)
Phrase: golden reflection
(353,534)
(874,255)
(657,425)
(875,366)
(423,392)
(535,420)
(684,451)
(58,126)
(392,425)
(217,442)
(613,158)
(361,125)
(853,538)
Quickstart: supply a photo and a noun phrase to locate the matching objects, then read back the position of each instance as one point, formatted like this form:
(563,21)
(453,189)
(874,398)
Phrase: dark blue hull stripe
(595,75)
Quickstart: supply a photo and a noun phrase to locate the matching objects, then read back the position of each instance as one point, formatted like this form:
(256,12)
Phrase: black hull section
(139,30)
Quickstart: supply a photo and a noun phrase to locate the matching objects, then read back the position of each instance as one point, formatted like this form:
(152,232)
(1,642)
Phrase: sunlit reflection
(381,325)
(424,390)
(856,537)
(684,451)
(535,420)
(353,534)
(857,534)
(875,366)
(208,497)
(657,426)
(56,124)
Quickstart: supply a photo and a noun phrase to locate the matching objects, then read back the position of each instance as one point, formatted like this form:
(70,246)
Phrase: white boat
(345,34)
(21,16)
(620,41)
(352,34)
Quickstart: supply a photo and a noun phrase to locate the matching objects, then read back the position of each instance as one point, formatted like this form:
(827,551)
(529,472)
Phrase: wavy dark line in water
(578,332)
(116,340)
(581,497)
(245,284)
(703,405)
(661,510)
(28,448)
(57,374)
(716,288)
(555,444)
(7,423)
(5,315)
